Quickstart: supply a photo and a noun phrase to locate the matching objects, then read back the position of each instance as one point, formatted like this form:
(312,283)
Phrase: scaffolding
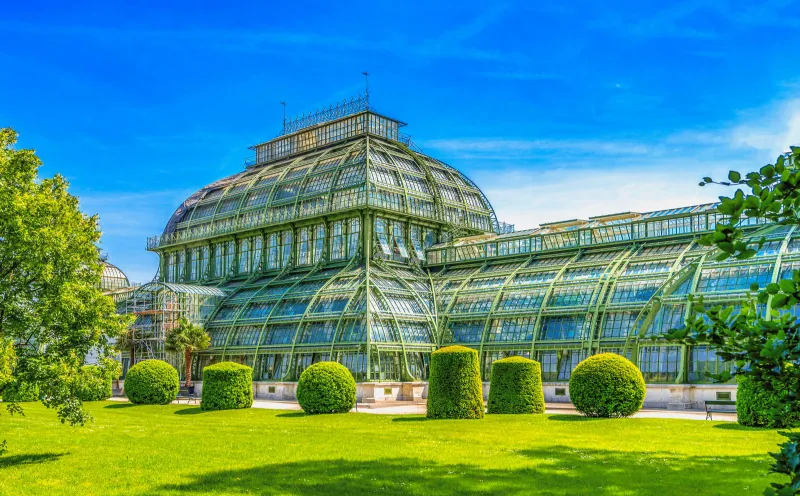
(158,306)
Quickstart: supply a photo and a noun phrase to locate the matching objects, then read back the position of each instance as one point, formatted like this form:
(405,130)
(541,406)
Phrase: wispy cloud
(530,181)
(523,76)
(456,43)
(505,149)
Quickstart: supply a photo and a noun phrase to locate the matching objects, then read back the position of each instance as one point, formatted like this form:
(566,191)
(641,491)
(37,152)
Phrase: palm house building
(342,241)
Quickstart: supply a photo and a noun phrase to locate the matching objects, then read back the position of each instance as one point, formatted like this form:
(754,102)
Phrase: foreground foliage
(607,385)
(455,390)
(52,311)
(765,348)
(152,382)
(516,386)
(326,387)
(21,392)
(755,404)
(181,450)
(227,386)
(93,383)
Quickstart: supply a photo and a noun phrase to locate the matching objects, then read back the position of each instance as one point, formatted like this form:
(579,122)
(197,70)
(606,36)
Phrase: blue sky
(556,111)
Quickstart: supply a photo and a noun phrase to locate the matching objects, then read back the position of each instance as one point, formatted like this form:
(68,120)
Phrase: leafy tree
(187,338)
(765,348)
(52,311)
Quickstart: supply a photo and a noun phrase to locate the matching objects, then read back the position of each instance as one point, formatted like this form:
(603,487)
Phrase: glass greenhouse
(342,241)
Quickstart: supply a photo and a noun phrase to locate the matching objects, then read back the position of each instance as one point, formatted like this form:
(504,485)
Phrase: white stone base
(669,396)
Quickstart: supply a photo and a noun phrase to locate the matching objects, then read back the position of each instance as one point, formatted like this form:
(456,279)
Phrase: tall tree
(187,338)
(764,347)
(52,311)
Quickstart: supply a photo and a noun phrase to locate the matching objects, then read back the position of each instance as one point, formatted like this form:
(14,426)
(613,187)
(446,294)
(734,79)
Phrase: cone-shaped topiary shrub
(21,392)
(227,386)
(516,386)
(93,384)
(607,385)
(454,386)
(152,382)
(326,387)
(754,402)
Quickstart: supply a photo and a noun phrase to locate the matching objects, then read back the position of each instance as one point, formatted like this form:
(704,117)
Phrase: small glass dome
(113,278)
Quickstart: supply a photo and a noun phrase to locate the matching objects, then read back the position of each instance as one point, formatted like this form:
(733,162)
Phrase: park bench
(711,406)
(185,393)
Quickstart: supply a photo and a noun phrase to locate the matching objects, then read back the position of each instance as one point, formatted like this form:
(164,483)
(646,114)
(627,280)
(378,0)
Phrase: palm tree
(126,341)
(187,338)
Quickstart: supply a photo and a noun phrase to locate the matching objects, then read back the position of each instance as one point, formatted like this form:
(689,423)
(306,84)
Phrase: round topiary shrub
(227,386)
(21,392)
(93,384)
(607,385)
(754,402)
(516,386)
(152,382)
(326,387)
(454,387)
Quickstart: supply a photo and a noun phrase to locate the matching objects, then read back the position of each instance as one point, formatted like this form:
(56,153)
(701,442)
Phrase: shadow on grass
(554,470)
(120,405)
(560,417)
(733,426)
(13,460)
(190,411)
(292,414)
(410,419)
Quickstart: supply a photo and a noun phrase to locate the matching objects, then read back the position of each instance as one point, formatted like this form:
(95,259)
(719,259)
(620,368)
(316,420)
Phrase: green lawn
(179,450)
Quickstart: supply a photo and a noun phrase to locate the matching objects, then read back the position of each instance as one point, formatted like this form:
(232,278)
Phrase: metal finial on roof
(284,116)
(366,83)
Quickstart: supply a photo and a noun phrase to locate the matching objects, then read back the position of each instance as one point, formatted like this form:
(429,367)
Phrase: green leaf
(773,288)
(787,286)
(734,176)
(779,300)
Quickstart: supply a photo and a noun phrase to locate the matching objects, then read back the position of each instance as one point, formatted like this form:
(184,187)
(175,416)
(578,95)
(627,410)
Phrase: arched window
(303,246)
(319,242)
(353,235)
(337,241)
(272,251)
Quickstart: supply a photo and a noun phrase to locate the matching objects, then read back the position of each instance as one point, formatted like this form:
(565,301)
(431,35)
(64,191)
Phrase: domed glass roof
(113,278)
(364,171)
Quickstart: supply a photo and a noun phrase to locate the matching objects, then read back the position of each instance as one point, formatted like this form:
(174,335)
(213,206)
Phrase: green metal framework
(325,248)
(563,304)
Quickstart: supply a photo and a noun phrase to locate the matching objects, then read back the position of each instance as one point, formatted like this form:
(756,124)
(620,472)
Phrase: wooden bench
(184,393)
(711,404)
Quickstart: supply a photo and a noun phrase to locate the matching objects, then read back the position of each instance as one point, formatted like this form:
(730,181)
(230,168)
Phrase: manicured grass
(179,450)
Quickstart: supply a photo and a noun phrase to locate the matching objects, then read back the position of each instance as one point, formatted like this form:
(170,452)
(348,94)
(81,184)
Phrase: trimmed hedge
(516,386)
(754,402)
(152,382)
(454,387)
(93,384)
(607,385)
(21,392)
(326,387)
(227,386)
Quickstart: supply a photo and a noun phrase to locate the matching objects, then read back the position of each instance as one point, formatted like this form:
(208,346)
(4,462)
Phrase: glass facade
(325,248)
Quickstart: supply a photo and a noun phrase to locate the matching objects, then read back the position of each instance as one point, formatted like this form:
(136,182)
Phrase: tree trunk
(133,348)
(188,360)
